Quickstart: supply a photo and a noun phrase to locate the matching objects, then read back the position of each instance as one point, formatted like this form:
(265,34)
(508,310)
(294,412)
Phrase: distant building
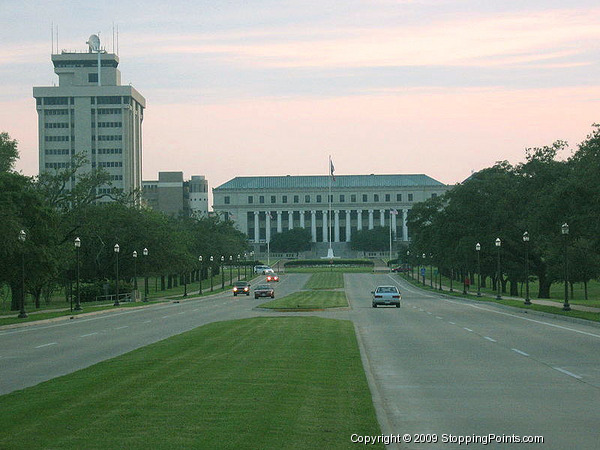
(90,112)
(172,195)
(263,206)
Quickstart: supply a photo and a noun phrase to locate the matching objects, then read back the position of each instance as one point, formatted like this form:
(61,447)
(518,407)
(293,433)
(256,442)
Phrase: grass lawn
(287,382)
(309,300)
(314,269)
(325,280)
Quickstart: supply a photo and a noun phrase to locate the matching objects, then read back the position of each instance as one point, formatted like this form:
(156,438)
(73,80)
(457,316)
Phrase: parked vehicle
(264,290)
(386,295)
(401,269)
(241,287)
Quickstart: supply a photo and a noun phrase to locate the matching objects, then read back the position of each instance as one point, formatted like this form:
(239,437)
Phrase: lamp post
(407,260)
(564,229)
(222,273)
(424,268)
(526,242)
(135,285)
(478,249)
(116,249)
(431,270)
(238,266)
(145,253)
(245,265)
(211,273)
(22,237)
(498,244)
(230,270)
(78,302)
(200,277)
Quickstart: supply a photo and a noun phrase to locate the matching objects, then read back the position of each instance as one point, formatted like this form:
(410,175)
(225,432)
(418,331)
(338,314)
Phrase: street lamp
(526,241)
(238,266)
(22,237)
(78,302)
(230,270)
(424,270)
(431,270)
(498,244)
(200,277)
(211,273)
(145,253)
(222,273)
(478,249)
(565,232)
(135,285)
(116,249)
(245,265)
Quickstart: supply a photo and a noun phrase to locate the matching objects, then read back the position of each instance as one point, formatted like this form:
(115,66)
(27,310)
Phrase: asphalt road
(438,366)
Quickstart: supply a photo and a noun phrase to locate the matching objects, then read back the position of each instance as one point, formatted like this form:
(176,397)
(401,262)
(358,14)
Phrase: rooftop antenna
(94,46)
(113,47)
(52,36)
(117,39)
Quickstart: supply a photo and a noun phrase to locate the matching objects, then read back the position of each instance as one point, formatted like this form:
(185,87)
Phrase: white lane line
(147,321)
(489,339)
(47,345)
(164,317)
(86,335)
(566,372)
(541,322)
(468,329)
(120,328)
(519,352)
(428,313)
(452,323)
(438,317)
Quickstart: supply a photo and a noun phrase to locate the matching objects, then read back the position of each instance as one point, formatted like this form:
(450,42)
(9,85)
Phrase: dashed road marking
(468,329)
(489,339)
(120,328)
(47,345)
(519,352)
(89,334)
(566,372)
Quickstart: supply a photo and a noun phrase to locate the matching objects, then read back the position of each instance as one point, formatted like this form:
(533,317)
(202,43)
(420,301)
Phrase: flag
(394,212)
(331,169)
(269,214)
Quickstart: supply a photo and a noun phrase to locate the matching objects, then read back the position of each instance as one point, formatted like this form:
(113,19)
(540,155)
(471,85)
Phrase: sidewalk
(555,303)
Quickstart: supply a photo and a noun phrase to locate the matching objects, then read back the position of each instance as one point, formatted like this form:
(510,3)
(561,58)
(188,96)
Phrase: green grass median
(325,280)
(285,382)
(309,300)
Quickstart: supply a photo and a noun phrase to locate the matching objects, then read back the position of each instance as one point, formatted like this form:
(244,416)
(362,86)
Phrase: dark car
(264,290)
(401,269)
(241,287)
(272,277)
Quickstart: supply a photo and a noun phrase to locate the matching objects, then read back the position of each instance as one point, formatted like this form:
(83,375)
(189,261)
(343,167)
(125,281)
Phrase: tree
(291,241)
(8,152)
(375,240)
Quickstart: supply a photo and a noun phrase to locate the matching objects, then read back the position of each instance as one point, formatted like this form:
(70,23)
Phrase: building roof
(322,182)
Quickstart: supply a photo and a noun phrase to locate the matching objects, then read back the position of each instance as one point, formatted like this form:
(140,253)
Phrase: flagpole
(329,198)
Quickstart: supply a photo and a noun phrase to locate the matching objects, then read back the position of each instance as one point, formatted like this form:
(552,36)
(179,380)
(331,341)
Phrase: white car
(386,295)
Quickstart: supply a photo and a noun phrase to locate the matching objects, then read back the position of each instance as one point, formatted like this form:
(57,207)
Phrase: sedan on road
(241,287)
(386,295)
(272,277)
(264,290)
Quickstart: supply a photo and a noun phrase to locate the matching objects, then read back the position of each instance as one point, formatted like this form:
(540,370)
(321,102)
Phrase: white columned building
(248,201)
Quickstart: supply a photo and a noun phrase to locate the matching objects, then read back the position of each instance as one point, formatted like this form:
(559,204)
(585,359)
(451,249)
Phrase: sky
(273,87)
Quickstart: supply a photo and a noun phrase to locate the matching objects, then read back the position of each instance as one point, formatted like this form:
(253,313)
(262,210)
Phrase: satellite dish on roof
(94,43)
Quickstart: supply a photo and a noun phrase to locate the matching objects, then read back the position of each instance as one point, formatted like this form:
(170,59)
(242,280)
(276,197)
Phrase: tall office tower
(91,113)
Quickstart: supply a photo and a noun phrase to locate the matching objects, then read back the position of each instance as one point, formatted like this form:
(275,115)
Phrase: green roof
(322,182)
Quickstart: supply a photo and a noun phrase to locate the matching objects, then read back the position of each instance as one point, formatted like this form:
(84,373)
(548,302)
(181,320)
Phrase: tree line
(504,201)
(53,216)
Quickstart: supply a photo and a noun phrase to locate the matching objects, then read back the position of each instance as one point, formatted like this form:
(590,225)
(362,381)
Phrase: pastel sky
(272,87)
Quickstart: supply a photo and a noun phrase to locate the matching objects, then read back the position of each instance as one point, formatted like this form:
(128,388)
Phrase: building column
(325,227)
(359,219)
(371,226)
(302,219)
(382,217)
(313,226)
(393,223)
(404,227)
(290,220)
(347,225)
(336,224)
(268,226)
(279,228)
(256,229)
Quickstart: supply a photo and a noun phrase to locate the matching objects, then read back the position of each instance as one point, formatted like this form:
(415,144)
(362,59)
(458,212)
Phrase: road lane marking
(86,335)
(541,322)
(468,329)
(120,328)
(438,317)
(566,372)
(147,321)
(489,339)
(451,323)
(516,350)
(47,345)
